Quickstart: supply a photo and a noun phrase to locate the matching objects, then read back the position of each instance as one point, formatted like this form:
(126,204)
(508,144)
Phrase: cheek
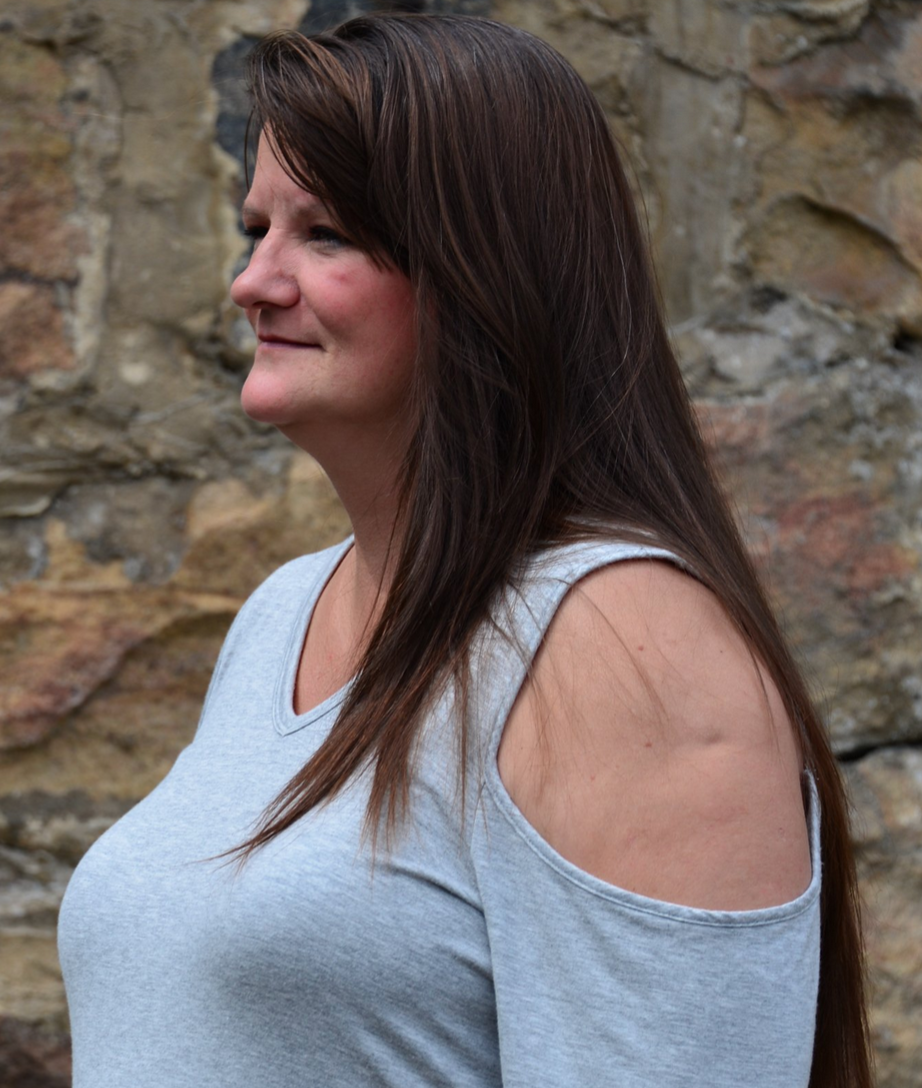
(380,313)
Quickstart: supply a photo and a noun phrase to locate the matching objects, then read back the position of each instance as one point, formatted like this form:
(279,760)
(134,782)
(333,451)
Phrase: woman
(522,783)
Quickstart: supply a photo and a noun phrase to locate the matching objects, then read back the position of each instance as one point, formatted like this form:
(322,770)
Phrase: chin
(262,410)
(266,401)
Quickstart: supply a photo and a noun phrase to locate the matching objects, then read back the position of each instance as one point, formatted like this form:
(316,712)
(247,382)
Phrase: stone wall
(777,147)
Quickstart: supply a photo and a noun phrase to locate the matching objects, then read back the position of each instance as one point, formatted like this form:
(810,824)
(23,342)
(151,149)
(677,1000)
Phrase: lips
(271,340)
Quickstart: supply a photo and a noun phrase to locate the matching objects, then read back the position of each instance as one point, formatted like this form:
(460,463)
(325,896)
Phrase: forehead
(272,187)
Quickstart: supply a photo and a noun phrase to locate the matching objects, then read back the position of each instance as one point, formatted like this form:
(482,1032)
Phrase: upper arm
(650,749)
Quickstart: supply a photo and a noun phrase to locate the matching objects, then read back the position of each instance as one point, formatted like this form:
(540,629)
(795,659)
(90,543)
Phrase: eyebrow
(303,206)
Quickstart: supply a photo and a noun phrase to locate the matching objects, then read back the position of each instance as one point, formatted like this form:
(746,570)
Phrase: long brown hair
(472,157)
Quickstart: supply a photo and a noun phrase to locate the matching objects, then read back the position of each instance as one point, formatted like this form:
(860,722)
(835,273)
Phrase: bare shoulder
(650,749)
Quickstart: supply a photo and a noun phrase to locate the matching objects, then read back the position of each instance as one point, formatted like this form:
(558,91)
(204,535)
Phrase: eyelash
(323,235)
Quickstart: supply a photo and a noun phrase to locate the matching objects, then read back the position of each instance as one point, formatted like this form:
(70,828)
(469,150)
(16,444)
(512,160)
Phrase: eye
(327,236)
(255,232)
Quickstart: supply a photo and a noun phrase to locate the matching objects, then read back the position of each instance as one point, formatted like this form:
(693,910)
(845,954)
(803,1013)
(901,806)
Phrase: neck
(374,552)
(365,476)
(364,577)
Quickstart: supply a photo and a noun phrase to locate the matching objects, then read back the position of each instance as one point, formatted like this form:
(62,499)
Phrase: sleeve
(597,986)
(224,655)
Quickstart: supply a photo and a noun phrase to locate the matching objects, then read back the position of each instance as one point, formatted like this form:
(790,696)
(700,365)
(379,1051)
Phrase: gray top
(470,955)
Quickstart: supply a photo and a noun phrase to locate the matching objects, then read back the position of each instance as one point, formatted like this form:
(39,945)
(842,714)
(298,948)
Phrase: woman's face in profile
(336,332)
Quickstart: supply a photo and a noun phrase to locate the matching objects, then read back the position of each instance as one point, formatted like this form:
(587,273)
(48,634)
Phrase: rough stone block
(34,336)
(691,119)
(712,38)
(832,257)
(886,788)
(32,1056)
(37,194)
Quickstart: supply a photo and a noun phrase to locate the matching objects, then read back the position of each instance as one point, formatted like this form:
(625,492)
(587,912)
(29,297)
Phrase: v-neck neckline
(286,720)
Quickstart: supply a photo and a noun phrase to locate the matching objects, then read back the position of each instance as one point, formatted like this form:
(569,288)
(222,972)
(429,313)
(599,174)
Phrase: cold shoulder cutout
(649,747)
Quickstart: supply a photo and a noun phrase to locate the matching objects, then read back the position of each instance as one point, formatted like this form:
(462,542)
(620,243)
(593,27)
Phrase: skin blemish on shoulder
(640,648)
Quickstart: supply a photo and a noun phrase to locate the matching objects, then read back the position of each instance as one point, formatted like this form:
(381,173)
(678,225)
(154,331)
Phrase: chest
(310,949)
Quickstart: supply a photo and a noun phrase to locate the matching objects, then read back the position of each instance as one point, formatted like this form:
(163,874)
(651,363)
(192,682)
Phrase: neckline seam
(285,720)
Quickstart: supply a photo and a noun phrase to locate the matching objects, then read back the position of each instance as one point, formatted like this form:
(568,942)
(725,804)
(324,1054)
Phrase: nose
(264,282)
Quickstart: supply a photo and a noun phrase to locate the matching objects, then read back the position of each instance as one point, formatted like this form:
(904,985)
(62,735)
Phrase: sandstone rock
(899,195)
(165,264)
(32,1057)
(224,19)
(689,118)
(56,23)
(140,524)
(118,738)
(22,550)
(36,192)
(59,652)
(606,58)
(33,331)
(31,889)
(887,792)
(624,15)
(28,494)
(712,38)
(862,65)
(848,13)
(833,257)
(82,673)
(59,827)
(236,540)
(814,468)
(837,189)
(746,347)
(30,980)
(907,58)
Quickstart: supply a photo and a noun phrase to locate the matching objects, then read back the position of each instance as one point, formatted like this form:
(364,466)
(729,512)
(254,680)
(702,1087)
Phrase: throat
(335,640)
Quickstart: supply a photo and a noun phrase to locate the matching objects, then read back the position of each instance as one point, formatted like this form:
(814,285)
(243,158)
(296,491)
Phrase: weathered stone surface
(32,1057)
(836,175)
(59,652)
(37,193)
(58,826)
(880,60)
(711,38)
(64,638)
(694,119)
(833,257)
(783,32)
(626,15)
(235,540)
(33,327)
(22,550)
(85,645)
(30,979)
(40,242)
(886,788)
(822,456)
